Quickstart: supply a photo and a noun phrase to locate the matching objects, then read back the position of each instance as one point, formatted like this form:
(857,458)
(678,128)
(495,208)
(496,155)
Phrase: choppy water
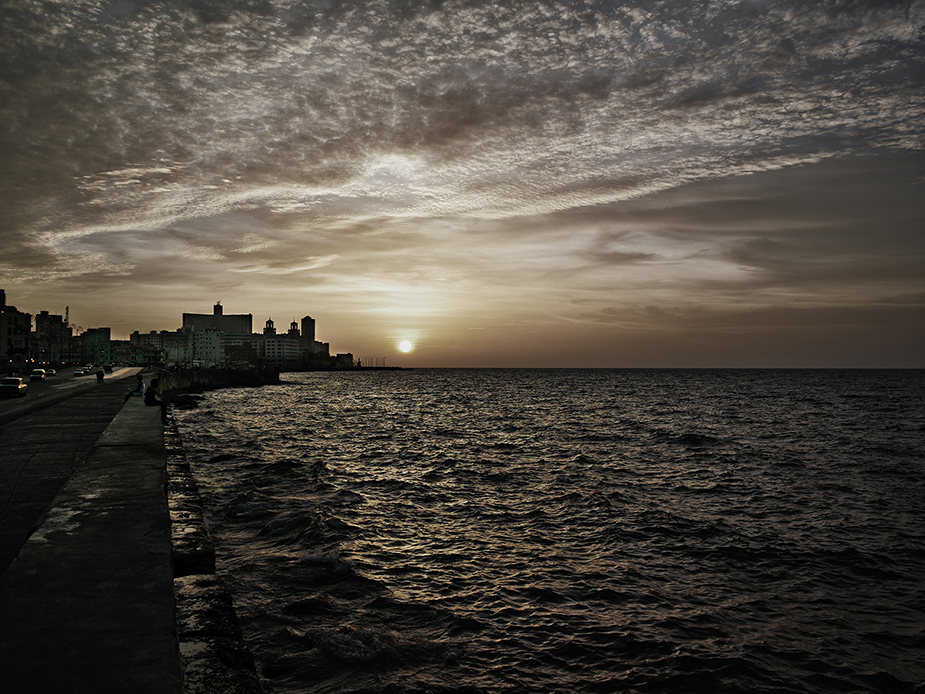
(573,531)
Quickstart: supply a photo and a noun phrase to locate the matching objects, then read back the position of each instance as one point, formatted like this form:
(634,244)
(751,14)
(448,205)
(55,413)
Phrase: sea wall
(174,382)
(88,604)
(115,589)
(214,657)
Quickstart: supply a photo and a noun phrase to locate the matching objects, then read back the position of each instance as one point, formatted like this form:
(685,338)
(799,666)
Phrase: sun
(405,346)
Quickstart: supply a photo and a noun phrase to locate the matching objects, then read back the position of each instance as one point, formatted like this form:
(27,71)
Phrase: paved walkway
(44,439)
(88,603)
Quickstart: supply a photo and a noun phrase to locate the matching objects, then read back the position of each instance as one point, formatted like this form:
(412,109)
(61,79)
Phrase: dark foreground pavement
(107,580)
(43,441)
(88,604)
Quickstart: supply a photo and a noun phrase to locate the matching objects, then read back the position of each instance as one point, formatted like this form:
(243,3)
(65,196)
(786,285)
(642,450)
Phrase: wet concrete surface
(104,552)
(88,603)
(44,438)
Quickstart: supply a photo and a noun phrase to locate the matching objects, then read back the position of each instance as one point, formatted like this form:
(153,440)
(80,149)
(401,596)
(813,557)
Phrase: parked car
(37,375)
(107,368)
(78,372)
(13,386)
(50,372)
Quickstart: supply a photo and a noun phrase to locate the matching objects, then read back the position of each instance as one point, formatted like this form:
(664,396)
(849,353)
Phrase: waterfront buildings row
(204,340)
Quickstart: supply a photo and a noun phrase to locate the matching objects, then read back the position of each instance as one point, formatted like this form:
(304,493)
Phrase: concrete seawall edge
(115,590)
(213,654)
(88,603)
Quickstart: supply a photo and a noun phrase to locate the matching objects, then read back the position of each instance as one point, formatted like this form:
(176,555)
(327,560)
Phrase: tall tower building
(308,330)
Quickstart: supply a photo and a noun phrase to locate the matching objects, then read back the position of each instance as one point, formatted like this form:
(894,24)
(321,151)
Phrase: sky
(658,183)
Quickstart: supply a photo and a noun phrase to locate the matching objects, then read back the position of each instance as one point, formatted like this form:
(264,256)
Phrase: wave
(571,531)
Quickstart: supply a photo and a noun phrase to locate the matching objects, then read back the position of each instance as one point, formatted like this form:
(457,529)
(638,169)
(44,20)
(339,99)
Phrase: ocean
(657,531)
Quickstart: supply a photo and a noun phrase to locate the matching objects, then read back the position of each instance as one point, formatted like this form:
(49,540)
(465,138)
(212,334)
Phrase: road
(54,389)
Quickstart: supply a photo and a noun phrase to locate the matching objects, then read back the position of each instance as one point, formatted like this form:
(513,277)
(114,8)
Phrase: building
(129,352)
(171,348)
(241,349)
(15,330)
(310,344)
(53,337)
(231,323)
(344,361)
(97,346)
(308,332)
(207,348)
(215,340)
(176,348)
(282,351)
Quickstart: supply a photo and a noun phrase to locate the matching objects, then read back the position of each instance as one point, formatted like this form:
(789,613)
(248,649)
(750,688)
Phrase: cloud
(164,111)
(582,151)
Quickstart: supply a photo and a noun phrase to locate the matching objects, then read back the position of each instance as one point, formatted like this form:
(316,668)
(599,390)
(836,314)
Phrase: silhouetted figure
(99,376)
(151,397)
(139,388)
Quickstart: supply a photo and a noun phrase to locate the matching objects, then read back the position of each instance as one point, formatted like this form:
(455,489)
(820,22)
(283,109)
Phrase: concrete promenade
(93,601)
(88,604)
(44,439)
